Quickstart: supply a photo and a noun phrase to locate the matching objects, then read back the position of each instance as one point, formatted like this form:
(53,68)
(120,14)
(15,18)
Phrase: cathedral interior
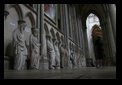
(59,41)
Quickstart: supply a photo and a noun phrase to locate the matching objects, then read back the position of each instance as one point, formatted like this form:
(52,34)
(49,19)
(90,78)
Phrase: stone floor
(83,73)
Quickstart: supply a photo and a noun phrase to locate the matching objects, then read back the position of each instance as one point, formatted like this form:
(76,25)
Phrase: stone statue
(72,58)
(75,58)
(20,50)
(83,61)
(57,54)
(62,55)
(66,58)
(80,60)
(34,49)
(51,53)
(76,61)
(78,57)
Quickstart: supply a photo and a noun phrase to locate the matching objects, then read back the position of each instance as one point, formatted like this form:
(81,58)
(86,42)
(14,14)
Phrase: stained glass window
(50,10)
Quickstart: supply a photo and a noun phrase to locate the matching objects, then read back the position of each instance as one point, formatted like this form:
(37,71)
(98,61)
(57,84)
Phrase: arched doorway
(91,20)
(99,11)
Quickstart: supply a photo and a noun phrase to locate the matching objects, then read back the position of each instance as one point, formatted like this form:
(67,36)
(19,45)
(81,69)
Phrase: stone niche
(9,25)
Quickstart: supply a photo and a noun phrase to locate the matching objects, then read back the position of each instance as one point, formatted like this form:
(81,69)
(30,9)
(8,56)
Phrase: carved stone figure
(20,50)
(34,49)
(83,61)
(66,57)
(51,53)
(62,55)
(57,54)
(77,59)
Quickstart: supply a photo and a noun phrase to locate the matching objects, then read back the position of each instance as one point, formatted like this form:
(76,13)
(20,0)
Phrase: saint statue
(51,52)
(62,55)
(57,54)
(66,58)
(20,50)
(34,49)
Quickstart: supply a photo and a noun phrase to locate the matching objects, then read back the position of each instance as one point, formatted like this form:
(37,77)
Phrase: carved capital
(48,36)
(6,13)
(21,21)
(54,40)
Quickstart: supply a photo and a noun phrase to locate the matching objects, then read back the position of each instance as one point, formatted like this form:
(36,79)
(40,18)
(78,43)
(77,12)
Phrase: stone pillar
(61,17)
(71,21)
(6,58)
(43,61)
(76,27)
(106,42)
(112,13)
(111,38)
(67,32)
(81,34)
(86,43)
(79,31)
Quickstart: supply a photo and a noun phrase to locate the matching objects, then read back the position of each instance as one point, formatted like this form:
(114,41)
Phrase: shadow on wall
(9,54)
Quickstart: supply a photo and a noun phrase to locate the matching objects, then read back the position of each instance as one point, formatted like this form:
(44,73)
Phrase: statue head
(48,37)
(35,32)
(22,24)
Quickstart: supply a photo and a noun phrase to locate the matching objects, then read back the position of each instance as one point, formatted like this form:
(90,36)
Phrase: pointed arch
(62,39)
(52,33)
(18,9)
(58,36)
(31,17)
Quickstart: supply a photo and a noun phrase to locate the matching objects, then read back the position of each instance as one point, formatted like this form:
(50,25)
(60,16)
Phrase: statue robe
(57,56)
(62,53)
(34,51)
(20,50)
(51,52)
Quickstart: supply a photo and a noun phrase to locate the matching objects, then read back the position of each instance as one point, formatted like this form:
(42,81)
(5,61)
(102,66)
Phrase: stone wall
(16,12)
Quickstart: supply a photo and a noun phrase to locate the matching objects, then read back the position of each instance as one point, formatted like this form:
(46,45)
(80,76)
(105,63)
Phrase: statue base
(44,64)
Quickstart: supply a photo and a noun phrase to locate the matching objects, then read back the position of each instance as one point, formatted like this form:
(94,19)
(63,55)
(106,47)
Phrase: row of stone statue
(58,54)
(20,48)
(61,58)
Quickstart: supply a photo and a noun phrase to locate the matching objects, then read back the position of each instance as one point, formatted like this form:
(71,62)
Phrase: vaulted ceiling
(98,9)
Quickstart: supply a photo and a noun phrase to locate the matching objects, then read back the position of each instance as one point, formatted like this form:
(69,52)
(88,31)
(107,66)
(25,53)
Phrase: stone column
(112,13)
(71,21)
(81,34)
(79,31)
(43,61)
(85,43)
(6,58)
(67,32)
(106,41)
(76,26)
(61,17)
(111,38)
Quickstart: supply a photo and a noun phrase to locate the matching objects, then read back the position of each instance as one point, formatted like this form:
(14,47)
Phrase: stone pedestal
(44,63)
(6,62)
(57,67)
(112,12)
(70,65)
